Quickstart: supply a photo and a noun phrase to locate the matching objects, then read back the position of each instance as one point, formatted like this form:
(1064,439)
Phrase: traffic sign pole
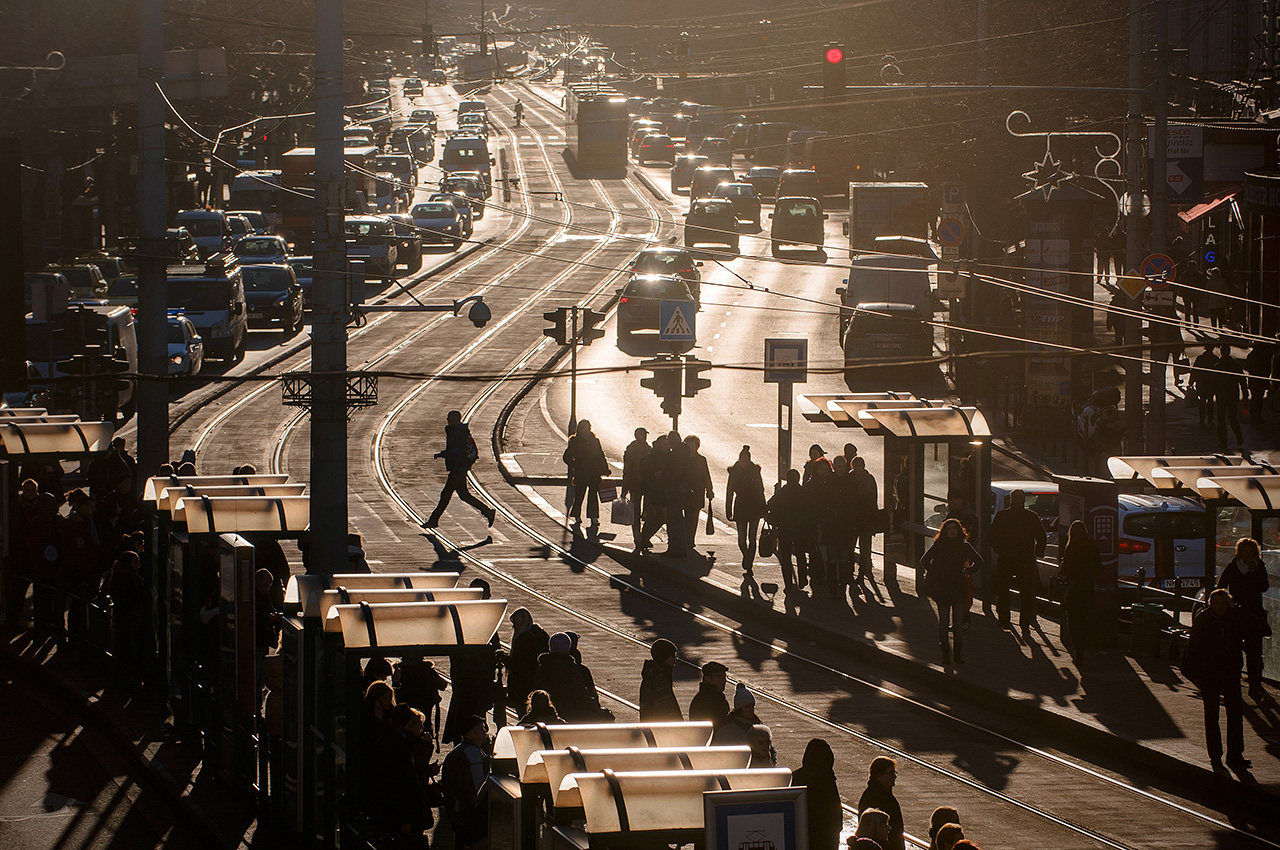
(573,370)
(786,414)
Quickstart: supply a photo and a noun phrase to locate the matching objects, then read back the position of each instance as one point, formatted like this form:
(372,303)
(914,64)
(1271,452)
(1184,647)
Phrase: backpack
(471,452)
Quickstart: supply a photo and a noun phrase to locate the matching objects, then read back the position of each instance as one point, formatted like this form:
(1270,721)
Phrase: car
(470,185)
(212,297)
(746,203)
(638,136)
(424,116)
(474,122)
(123,291)
(273,296)
(415,140)
(373,239)
(303,269)
(111,267)
(644,124)
(413,87)
(796,221)
(639,301)
(765,180)
(87,282)
(711,220)
(257,221)
(799,183)
(682,169)
(707,178)
(885,331)
(359,135)
(238,226)
(207,227)
(669,260)
(261,249)
(718,149)
(656,147)
(186,347)
(464,206)
(409,251)
(438,223)
(33,394)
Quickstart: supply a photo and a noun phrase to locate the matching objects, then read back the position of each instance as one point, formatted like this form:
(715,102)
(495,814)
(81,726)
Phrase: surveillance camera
(479,314)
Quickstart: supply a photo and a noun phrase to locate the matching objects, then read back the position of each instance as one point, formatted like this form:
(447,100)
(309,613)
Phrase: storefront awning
(1210,204)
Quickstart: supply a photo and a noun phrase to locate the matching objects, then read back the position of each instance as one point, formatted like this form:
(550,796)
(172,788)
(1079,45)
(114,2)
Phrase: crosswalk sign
(676,321)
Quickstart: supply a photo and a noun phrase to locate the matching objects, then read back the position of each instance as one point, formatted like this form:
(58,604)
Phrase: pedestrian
(1229,383)
(840,526)
(949,836)
(1116,319)
(540,709)
(460,454)
(37,557)
(419,684)
(561,677)
(873,832)
(128,594)
(941,816)
(657,694)
(1258,364)
(1203,379)
(379,699)
(376,669)
(700,490)
(787,515)
(1215,299)
(106,470)
(882,776)
(653,476)
(584,456)
(528,642)
(710,703)
(744,505)
(816,454)
(397,799)
(763,753)
(733,732)
(267,618)
(633,462)
(78,561)
(1191,288)
(1246,578)
(464,782)
(817,511)
(817,773)
(597,713)
(850,452)
(867,525)
(1212,661)
(946,563)
(675,493)
(356,560)
(1080,565)
(1018,539)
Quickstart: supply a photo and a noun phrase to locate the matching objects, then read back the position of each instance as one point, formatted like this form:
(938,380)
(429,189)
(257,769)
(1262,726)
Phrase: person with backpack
(460,454)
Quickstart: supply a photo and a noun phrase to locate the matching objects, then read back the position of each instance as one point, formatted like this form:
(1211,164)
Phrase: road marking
(722,324)
(760,425)
(717,336)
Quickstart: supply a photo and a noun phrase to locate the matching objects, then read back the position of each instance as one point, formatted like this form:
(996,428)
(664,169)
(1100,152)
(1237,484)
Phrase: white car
(186,347)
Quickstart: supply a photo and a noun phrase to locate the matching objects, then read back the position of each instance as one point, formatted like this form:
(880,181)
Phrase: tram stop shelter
(933,452)
(33,435)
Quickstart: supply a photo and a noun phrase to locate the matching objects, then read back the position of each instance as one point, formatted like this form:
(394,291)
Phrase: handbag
(711,523)
(622,512)
(768,541)
(569,495)
(608,492)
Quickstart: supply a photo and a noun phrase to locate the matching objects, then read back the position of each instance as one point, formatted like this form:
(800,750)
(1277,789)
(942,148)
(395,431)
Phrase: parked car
(186,347)
(682,169)
(765,179)
(639,301)
(438,223)
(796,221)
(261,249)
(746,203)
(711,220)
(273,296)
(656,147)
(669,260)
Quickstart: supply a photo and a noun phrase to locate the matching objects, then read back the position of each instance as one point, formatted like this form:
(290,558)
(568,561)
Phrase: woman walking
(948,561)
(1081,563)
(744,504)
(587,465)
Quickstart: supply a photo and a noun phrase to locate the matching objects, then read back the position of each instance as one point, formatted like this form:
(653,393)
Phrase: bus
(298,209)
(595,127)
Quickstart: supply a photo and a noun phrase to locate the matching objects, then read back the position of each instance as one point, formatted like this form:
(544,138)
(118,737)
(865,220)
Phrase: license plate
(255,315)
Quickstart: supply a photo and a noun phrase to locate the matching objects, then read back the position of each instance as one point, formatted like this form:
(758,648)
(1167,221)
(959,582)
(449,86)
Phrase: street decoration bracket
(1048,176)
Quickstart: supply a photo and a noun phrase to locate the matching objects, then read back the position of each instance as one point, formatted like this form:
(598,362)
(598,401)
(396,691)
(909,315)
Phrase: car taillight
(1132,547)
(622,300)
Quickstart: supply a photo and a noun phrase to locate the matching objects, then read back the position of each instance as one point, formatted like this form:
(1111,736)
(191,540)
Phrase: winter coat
(787,510)
(1247,589)
(733,731)
(561,677)
(522,663)
(1017,536)
(78,547)
(698,481)
(946,563)
(744,495)
(456,439)
(866,497)
(585,457)
(1215,649)
(1228,387)
(633,460)
(657,694)
(817,773)
(709,704)
(37,528)
(876,796)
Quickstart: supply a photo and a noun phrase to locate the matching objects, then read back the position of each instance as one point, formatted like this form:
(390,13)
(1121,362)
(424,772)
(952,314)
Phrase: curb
(651,186)
(83,705)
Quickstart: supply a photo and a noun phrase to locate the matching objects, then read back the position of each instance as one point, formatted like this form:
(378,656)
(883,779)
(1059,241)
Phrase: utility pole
(329,318)
(153,287)
(1159,242)
(1133,227)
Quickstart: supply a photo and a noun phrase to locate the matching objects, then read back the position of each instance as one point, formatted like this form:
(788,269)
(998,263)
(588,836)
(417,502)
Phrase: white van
(212,297)
(467,153)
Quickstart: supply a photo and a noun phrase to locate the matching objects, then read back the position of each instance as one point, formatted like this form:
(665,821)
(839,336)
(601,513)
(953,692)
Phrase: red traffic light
(834,56)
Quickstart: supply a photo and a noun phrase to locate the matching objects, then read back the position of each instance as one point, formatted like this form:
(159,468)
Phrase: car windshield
(200,295)
(302,268)
(433,210)
(202,226)
(663,288)
(265,279)
(725,190)
(461,202)
(250,247)
(866,323)
(124,286)
(662,262)
(368,228)
(177,333)
(707,209)
(799,210)
(653,139)
(78,277)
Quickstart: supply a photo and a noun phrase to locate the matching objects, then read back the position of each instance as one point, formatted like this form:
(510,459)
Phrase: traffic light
(589,324)
(665,382)
(559,319)
(692,368)
(833,72)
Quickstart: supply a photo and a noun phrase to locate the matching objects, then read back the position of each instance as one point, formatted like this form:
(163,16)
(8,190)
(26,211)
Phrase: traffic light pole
(573,369)
(786,418)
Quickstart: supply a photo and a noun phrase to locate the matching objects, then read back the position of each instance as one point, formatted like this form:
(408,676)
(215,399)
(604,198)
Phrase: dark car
(656,148)
(718,149)
(639,302)
(886,331)
(464,206)
(639,136)
(682,170)
(304,271)
(413,87)
(472,187)
(424,116)
(262,249)
(438,223)
(669,260)
(746,203)
(273,297)
(711,220)
(410,249)
(799,183)
(765,179)
(707,178)
(796,221)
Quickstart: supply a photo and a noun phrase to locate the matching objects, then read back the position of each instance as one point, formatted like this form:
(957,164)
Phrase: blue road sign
(1159,270)
(677,321)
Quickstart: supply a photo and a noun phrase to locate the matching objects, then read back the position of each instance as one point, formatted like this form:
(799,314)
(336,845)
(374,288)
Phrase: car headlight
(176,359)
(282,300)
(449,228)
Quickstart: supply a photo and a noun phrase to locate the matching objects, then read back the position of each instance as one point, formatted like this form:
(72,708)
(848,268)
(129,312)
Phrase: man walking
(1203,379)
(699,489)
(633,462)
(787,514)
(460,454)
(1213,660)
(1228,383)
(1018,538)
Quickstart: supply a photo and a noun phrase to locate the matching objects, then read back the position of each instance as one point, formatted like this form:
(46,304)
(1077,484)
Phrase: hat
(471,721)
(714,668)
(743,697)
(662,649)
(560,643)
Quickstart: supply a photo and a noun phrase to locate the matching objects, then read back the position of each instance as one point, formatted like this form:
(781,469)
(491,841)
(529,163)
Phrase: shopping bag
(711,523)
(622,512)
(608,492)
(569,495)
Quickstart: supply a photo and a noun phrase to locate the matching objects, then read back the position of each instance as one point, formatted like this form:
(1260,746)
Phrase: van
(883,331)
(258,190)
(899,275)
(212,297)
(209,229)
(467,153)
(767,142)
(110,327)
(466,106)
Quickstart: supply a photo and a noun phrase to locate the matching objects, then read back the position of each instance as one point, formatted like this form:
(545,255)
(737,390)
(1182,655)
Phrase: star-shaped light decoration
(1047,175)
